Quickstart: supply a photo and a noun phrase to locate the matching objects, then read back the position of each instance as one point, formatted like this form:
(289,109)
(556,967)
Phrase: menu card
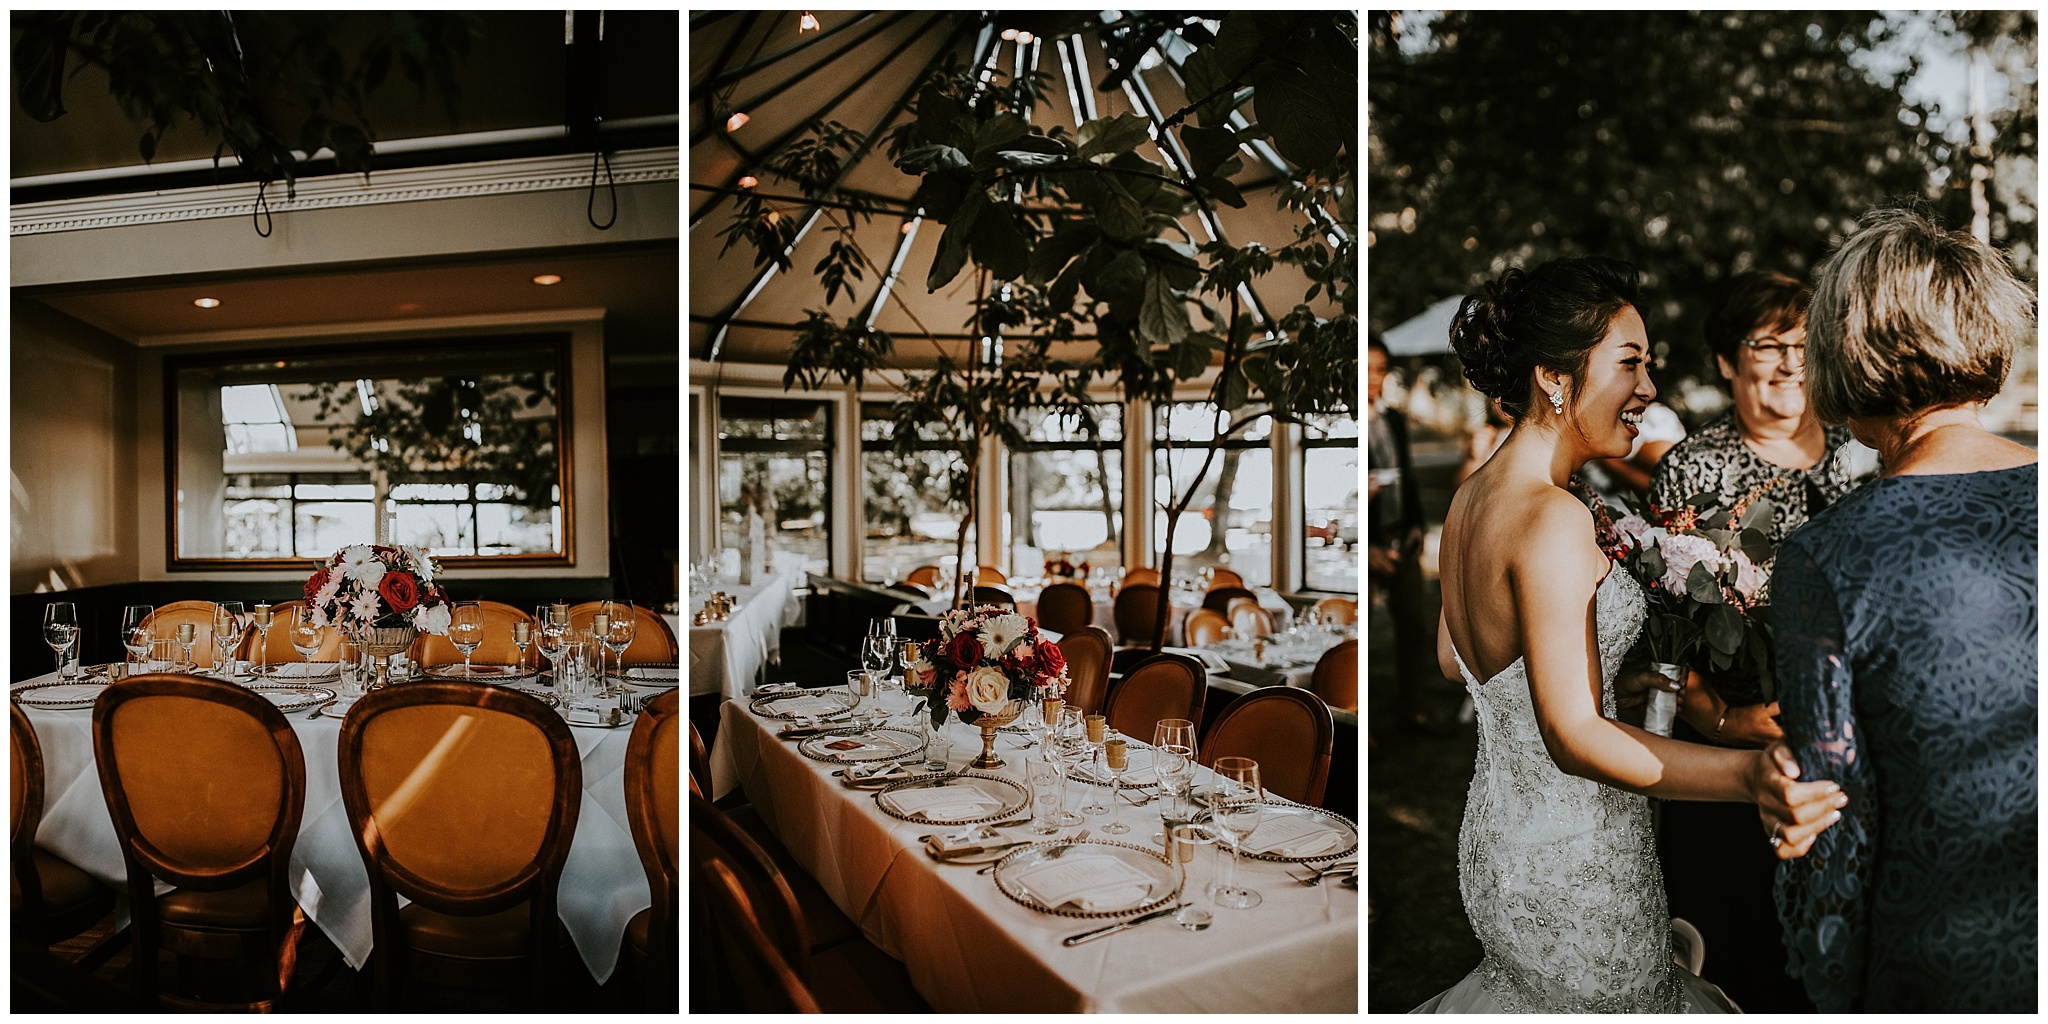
(1293,835)
(1090,882)
(806,705)
(944,803)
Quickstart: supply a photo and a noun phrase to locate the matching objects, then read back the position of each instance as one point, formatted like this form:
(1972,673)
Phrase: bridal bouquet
(380,587)
(985,658)
(1702,567)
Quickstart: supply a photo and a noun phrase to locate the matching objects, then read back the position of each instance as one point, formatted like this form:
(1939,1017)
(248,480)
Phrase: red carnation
(1051,660)
(400,591)
(315,582)
(965,651)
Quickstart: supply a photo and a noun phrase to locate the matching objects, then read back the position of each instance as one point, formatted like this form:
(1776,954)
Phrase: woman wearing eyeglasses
(1717,875)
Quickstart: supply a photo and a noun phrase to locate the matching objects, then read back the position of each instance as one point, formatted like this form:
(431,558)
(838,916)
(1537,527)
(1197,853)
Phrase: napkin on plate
(954,811)
(1114,898)
(1306,844)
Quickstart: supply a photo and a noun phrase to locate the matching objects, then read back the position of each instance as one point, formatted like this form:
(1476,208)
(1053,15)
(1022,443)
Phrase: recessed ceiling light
(548,279)
(206,303)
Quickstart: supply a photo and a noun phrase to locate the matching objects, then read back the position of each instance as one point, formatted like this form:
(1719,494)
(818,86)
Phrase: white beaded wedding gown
(1558,873)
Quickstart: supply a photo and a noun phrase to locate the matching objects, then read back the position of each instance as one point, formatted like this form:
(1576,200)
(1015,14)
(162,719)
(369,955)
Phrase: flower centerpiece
(1062,568)
(987,665)
(382,597)
(1704,570)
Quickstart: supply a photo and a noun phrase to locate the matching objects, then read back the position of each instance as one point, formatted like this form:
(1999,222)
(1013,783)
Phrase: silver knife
(1090,936)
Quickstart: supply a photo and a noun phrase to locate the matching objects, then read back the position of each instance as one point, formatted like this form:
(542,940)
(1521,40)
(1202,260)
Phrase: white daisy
(1003,630)
(364,608)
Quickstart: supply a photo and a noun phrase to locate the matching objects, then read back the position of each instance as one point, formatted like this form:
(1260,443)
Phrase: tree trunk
(962,573)
(1226,481)
(1108,507)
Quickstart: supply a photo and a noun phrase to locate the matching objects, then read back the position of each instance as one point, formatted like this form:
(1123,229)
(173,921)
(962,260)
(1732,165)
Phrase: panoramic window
(775,474)
(1230,522)
(1329,456)
(1066,491)
(911,521)
(454,446)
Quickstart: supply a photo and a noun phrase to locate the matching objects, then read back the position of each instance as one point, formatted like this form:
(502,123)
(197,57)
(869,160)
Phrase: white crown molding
(373,329)
(334,191)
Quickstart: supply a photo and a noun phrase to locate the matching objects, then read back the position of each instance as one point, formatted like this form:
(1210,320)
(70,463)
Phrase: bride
(1556,862)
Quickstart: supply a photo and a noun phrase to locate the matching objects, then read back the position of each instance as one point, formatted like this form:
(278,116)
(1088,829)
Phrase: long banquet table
(602,887)
(726,657)
(970,949)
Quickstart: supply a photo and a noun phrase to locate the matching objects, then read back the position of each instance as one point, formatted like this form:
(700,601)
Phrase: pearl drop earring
(1557,402)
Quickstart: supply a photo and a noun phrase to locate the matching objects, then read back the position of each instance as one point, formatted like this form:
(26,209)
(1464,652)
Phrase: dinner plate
(583,718)
(1298,815)
(480,673)
(294,698)
(296,670)
(57,695)
(1001,797)
(661,676)
(1150,881)
(884,744)
(536,691)
(835,700)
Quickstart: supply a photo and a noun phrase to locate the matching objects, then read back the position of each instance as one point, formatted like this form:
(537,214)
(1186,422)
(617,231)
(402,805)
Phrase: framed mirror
(457,445)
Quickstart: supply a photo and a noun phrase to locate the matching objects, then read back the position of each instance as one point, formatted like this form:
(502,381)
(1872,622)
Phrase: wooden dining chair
(277,649)
(1249,619)
(700,760)
(654,643)
(205,783)
(924,576)
(756,976)
(915,591)
(653,764)
(463,799)
(1065,607)
(1206,627)
(990,594)
(163,624)
(1087,651)
(1336,676)
(1141,575)
(1338,611)
(50,898)
(753,904)
(1136,613)
(1288,731)
(1218,598)
(1221,577)
(989,575)
(1162,686)
(431,651)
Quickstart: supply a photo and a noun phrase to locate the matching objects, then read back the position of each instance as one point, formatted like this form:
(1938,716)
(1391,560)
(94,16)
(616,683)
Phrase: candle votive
(1096,725)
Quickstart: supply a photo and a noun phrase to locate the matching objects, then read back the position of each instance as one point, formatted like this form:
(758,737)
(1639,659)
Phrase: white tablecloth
(1291,661)
(970,949)
(602,887)
(1178,605)
(727,657)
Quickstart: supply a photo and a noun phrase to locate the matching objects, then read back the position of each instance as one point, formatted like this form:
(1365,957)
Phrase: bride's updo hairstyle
(1551,316)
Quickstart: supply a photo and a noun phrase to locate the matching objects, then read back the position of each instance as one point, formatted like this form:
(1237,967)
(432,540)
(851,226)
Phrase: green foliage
(448,430)
(825,348)
(263,83)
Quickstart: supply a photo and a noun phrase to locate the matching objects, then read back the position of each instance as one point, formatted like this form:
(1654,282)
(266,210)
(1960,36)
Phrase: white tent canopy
(1427,333)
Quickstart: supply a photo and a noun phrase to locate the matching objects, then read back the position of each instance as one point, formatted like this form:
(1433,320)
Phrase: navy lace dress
(1905,617)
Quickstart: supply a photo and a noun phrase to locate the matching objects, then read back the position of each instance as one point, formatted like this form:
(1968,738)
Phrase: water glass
(135,630)
(60,632)
(937,749)
(1194,849)
(1048,792)
(1235,806)
(358,671)
(163,657)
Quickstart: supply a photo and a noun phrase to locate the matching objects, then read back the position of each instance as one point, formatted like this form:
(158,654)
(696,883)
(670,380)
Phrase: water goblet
(621,625)
(188,634)
(60,632)
(1174,741)
(550,641)
(1234,811)
(228,620)
(306,637)
(466,630)
(135,630)
(1115,761)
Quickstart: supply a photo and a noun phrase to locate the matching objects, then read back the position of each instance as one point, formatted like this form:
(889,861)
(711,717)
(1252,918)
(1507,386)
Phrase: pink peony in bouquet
(984,659)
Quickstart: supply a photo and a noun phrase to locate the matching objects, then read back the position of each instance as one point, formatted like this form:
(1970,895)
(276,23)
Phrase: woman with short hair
(1906,618)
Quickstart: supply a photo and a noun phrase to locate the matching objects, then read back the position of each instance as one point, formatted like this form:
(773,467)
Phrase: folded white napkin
(955,811)
(1291,836)
(1114,898)
(971,840)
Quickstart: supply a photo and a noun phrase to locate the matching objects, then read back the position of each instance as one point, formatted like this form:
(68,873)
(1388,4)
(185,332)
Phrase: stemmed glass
(135,630)
(1115,761)
(1234,810)
(522,638)
(1173,758)
(466,630)
(261,616)
(621,625)
(877,656)
(550,642)
(228,620)
(305,636)
(60,631)
(1094,758)
(188,634)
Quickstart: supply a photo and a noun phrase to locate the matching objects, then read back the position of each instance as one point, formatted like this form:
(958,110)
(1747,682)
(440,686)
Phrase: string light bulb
(749,181)
(807,23)
(736,122)
(1025,37)
(1009,33)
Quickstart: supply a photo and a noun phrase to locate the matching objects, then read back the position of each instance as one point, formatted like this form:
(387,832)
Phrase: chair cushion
(241,908)
(65,887)
(503,935)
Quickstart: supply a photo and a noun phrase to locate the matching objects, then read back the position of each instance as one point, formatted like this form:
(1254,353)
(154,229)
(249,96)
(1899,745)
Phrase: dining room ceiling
(862,69)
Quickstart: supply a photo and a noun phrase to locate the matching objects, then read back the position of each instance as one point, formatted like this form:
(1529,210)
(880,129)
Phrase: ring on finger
(1777,834)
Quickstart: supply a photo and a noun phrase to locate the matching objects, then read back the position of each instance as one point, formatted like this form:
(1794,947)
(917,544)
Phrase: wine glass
(1234,810)
(261,617)
(466,630)
(1115,761)
(549,641)
(60,631)
(1173,739)
(621,625)
(304,635)
(188,634)
(877,655)
(228,619)
(135,630)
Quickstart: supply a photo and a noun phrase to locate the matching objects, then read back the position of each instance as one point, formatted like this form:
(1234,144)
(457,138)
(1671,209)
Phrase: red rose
(1051,660)
(315,582)
(965,651)
(400,591)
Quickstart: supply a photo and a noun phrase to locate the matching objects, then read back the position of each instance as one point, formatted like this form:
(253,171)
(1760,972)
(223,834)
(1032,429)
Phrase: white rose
(432,620)
(988,690)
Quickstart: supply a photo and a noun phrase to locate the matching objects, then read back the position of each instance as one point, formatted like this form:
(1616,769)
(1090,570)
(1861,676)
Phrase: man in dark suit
(1396,527)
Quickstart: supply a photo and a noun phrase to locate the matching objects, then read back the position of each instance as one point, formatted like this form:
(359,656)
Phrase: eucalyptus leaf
(1758,514)
(1757,545)
(1701,586)
(1724,629)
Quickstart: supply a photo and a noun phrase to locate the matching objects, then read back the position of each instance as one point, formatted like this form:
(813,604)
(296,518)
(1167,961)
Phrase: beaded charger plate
(1151,881)
(664,675)
(1280,817)
(537,692)
(58,695)
(884,744)
(831,701)
(294,698)
(452,672)
(909,798)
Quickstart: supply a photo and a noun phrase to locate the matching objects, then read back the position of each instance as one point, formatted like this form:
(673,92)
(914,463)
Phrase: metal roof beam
(711,124)
(735,74)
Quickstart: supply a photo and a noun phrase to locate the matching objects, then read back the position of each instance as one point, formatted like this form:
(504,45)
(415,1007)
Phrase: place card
(1293,835)
(943,803)
(806,706)
(1092,883)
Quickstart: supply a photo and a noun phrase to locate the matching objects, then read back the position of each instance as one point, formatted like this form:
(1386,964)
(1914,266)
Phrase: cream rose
(988,690)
